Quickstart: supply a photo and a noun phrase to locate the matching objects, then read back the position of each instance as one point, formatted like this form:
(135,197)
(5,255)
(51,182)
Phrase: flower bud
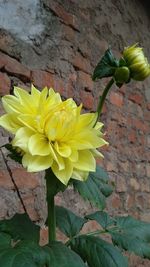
(122,75)
(136,62)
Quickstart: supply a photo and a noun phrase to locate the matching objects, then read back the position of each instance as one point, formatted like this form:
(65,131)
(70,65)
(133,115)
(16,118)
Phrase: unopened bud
(122,75)
(136,62)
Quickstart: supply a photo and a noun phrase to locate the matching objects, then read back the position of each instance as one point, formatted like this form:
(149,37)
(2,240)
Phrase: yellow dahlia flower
(52,133)
(136,62)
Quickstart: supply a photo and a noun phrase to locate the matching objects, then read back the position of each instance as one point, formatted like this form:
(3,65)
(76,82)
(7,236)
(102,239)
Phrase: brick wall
(59,47)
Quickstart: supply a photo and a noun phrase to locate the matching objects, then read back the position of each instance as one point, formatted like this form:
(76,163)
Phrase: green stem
(102,98)
(51,220)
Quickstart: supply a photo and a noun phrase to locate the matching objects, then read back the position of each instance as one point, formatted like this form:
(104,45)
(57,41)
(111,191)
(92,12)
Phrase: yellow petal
(22,138)
(42,101)
(99,125)
(28,120)
(36,163)
(97,154)
(86,139)
(86,120)
(62,149)
(35,95)
(25,99)
(57,158)
(79,175)
(74,156)
(86,161)
(12,104)
(65,174)
(10,122)
(39,145)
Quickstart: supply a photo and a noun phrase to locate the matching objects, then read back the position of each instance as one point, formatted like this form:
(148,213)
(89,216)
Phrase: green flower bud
(136,62)
(122,75)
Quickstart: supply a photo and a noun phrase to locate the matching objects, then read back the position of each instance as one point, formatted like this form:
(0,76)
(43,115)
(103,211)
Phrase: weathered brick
(5,180)
(140,125)
(84,81)
(130,201)
(145,185)
(65,16)
(132,136)
(5,84)
(42,78)
(121,185)
(140,201)
(69,33)
(87,100)
(115,201)
(124,166)
(81,63)
(13,67)
(116,99)
(137,98)
(134,184)
(24,179)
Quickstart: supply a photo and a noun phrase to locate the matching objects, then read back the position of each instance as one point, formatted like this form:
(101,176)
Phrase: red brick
(42,78)
(132,136)
(44,236)
(140,202)
(24,179)
(124,166)
(136,98)
(69,33)
(13,67)
(116,99)
(130,201)
(5,180)
(111,166)
(65,16)
(70,85)
(84,81)
(81,63)
(32,214)
(145,185)
(134,184)
(121,185)
(87,100)
(115,201)
(5,84)
(140,125)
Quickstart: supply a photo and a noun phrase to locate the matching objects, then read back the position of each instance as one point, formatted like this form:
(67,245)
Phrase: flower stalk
(51,218)
(102,98)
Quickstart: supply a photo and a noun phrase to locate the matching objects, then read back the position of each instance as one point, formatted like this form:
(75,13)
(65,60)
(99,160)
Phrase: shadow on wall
(146,4)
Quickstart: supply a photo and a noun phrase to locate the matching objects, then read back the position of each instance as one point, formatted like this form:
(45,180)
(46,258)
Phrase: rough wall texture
(58,43)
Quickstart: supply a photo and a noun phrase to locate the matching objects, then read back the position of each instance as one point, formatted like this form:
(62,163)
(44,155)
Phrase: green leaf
(20,227)
(69,223)
(102,218)
(30,254)
(95,189)
(16,156)
(132,235)
(24,254)
(5,240)
(62,256)
(106,66)
(97,252)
